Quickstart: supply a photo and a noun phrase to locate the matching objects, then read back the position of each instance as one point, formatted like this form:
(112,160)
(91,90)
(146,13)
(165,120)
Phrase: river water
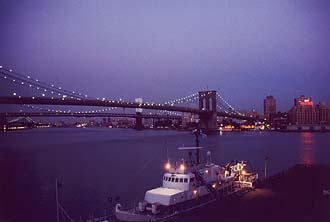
(93,164)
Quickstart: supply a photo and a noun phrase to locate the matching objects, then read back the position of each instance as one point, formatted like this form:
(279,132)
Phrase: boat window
(173,179)
(192,179)
(186,180)
(165,178)
(181,180)
(176,180)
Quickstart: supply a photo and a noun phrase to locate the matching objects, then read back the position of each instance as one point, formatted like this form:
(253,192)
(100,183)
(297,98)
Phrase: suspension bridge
(208,105)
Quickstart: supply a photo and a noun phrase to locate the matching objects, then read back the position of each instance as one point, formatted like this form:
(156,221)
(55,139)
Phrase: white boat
(187,185)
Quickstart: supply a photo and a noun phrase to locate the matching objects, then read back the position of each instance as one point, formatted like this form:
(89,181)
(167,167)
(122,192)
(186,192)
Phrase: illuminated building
(304,112)
(324,111)
(303,101)
(269,105)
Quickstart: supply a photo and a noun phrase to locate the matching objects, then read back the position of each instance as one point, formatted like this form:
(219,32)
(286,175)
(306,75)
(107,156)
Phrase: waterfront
(93,164)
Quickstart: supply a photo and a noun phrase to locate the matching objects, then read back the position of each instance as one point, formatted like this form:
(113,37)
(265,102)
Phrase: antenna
(166,150)
(197,132)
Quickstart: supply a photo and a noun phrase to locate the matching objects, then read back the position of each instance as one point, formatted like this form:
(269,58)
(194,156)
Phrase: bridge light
(10,70)
(14,94)
(0,67)
(43,94)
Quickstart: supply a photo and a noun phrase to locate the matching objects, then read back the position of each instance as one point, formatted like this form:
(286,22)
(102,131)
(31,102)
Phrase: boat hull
(131,216)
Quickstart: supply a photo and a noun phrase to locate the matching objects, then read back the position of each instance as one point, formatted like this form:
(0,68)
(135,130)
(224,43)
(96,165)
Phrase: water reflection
(306,148)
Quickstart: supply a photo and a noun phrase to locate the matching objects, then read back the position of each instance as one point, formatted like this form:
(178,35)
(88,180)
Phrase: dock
(299,193)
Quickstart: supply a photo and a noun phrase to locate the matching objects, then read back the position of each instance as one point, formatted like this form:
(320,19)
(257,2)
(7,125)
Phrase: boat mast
(57,211)
(197,132)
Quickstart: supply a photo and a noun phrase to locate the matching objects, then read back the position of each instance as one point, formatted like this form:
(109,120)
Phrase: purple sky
(160,50)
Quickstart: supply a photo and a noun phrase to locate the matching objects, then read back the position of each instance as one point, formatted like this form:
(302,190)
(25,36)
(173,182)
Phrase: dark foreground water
(93,164)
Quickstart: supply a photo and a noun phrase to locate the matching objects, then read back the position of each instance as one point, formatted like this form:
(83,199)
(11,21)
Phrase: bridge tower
(3,123)
(208,102)
(138,119)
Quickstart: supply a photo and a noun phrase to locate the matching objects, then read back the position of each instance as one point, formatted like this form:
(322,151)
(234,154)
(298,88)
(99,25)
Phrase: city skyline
(160,51)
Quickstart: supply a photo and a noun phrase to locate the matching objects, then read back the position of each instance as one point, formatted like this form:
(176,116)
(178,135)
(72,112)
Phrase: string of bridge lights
(184,99)
(230,106)
(55,91)
(45,88)
(69,111)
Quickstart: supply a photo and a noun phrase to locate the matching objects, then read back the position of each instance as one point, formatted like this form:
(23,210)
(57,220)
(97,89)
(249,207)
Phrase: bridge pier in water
(208,102)
(138,121)
(3,123)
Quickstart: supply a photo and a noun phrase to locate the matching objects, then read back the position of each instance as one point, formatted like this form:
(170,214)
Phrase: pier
(296,194)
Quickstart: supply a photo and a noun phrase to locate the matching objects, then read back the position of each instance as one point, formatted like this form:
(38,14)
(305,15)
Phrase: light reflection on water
(93,164)
(307,142)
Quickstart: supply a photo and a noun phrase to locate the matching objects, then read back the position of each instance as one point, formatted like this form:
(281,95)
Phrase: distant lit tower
(269,105)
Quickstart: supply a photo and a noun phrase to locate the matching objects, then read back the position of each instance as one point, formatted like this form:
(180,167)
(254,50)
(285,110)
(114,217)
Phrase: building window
(185,180)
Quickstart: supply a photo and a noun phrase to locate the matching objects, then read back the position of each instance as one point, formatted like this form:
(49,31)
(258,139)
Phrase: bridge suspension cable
(184,99)
(222,107)
(45,88)
(69,111)
(58,91)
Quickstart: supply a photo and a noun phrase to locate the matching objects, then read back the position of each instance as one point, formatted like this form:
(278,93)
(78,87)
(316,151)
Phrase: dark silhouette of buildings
(269,106)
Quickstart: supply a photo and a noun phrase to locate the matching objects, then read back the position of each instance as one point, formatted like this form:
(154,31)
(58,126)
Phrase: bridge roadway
(111,103)
(76,114)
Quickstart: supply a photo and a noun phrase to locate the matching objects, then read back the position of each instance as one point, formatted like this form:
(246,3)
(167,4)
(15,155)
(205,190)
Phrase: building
(269,105)
(324,112)
(303,101)
(304,112)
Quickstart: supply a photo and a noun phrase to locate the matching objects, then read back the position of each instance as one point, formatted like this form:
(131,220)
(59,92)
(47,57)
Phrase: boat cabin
(179,181)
